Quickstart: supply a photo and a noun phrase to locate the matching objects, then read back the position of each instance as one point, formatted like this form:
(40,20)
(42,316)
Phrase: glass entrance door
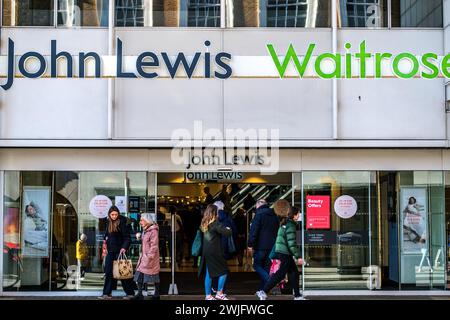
(186,200)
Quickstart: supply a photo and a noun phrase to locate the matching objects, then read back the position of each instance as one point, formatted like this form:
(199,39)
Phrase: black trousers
(288,267)
(110,282)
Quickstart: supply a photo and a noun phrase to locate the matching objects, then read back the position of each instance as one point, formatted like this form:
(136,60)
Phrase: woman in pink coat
(147,269)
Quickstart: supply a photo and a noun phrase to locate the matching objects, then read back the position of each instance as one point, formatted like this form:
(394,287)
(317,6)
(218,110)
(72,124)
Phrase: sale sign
(345,206)
(317,212)
(99,206)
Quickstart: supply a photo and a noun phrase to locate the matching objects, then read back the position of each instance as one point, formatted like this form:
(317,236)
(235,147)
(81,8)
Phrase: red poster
(317,212)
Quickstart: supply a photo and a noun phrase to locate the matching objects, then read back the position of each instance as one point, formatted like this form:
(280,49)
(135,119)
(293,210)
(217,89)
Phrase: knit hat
(219,205)
(149,217)
(282,207)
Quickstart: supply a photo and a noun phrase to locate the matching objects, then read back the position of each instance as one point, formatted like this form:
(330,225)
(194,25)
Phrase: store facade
(366,160)
(376,246)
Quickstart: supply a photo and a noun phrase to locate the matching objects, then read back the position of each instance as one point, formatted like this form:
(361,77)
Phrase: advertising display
(317,212)
(414,215)
(121,203)
(35,221)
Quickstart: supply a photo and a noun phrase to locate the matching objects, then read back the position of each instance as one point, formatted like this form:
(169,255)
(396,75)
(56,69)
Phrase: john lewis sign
(221,65)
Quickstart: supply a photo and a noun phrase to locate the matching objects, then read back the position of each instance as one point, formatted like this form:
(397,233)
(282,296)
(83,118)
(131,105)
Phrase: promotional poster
(35,221)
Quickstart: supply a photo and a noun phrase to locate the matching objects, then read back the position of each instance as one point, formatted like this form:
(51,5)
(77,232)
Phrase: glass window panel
(255,13)
(128,191)
(417,14)
(27,257)
(421,212)
(337,248)
(87,13)
(203,13)
(363,13)
(27,13)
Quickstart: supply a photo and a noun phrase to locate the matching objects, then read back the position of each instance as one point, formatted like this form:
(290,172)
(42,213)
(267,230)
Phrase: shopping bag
(122,268)
(196,249)
(274,267)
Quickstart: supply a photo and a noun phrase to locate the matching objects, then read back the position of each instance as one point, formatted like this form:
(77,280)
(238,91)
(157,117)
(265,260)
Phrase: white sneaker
(261,295)
(299,298)
(221,297)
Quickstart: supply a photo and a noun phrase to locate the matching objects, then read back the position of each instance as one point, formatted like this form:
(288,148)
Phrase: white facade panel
(153,109)
(300,109)
(391,109)
(54,109)
(160,160)
(376,159)
(376,110)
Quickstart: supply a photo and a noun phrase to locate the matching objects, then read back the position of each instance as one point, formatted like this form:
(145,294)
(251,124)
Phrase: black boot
(139,295)
(154,296)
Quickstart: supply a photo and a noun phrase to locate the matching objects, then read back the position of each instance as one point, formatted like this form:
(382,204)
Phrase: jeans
(208,283)
(261,264)
(288,267)
(110,282)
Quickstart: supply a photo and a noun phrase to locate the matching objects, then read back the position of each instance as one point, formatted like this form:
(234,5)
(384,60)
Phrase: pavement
(309,295)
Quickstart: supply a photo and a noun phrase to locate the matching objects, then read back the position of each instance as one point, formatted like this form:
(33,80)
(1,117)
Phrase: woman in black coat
(118,240)
(213,261)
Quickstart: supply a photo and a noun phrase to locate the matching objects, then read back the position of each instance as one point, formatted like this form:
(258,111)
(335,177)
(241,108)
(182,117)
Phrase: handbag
(122,268)
(196,249)
(274,267)
(231,245)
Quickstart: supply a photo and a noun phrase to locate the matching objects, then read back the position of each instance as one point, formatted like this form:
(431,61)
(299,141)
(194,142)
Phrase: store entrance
(183,201)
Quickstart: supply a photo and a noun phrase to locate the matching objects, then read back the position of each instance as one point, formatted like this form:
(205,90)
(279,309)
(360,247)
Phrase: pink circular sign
(99,206)
(345,207)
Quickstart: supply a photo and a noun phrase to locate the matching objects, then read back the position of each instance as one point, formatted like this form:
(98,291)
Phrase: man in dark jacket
(263,233)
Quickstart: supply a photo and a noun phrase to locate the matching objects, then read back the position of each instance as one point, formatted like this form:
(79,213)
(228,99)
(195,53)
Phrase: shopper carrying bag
(118,240)
(286,251)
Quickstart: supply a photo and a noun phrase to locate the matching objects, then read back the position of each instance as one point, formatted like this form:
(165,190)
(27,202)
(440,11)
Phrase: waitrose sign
(357,62)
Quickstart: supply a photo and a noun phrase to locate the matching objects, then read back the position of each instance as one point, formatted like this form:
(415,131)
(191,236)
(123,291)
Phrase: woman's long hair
(209,217)
(292,212)
(113,226)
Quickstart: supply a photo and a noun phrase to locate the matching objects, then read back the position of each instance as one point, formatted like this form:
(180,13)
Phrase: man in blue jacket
(263,233)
